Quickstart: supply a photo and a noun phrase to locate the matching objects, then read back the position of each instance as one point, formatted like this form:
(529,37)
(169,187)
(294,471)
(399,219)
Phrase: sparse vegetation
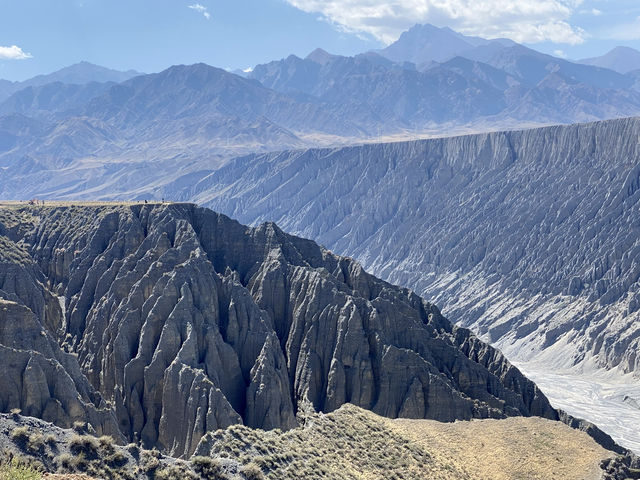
(252,471)
(51,440)
(80,427)
(346,444)
(84,444)
(35,443)
(176,472)
(20,436)
(208,468)
(18,470)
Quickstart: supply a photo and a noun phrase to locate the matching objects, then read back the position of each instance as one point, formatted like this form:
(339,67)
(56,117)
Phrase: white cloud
(596,12)
(13,53)
(560,53)
(528,21)
(202,9)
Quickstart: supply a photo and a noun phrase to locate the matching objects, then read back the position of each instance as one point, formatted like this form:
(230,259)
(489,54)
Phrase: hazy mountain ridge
(200,112)
(434,76)
(79,74)
(620,59)
(55,99)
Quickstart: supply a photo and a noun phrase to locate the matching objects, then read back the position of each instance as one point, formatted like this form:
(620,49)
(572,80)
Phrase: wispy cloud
(596,12)
(528,21)
(13,53)
(198,7)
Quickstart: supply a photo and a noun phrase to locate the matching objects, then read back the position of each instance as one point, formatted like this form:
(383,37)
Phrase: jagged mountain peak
(425,43)
(320,56)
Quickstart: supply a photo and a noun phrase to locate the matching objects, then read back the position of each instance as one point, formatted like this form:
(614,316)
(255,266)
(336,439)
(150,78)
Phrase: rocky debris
(183,321)
(623,467)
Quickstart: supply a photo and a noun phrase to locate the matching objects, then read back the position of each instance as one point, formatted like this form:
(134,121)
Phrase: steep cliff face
(38,377)
(530,237)
(185,321)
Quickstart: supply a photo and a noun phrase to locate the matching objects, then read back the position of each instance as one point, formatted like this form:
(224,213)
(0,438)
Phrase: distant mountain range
(432,81)
(78,74)
(434,76)
(620,59)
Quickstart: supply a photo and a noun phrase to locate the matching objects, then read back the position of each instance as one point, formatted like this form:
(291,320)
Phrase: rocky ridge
(180,321)
(499,228)
(529,238)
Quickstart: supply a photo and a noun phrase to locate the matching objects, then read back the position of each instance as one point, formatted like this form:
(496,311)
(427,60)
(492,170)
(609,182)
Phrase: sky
(41,36)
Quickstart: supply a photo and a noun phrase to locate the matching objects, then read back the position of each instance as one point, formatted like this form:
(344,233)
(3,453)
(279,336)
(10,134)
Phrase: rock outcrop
(528,237)
(38,377)
(182,321)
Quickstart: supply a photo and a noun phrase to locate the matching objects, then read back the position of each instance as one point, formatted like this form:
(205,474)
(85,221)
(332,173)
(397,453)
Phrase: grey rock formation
(530,238)
(490,225)
(38,377)
(185,321)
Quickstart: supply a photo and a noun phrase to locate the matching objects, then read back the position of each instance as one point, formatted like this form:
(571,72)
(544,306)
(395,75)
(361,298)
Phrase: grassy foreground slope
(352,443)
(348,444)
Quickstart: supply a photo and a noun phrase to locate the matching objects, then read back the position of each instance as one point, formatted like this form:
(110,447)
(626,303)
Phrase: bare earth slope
(530,238)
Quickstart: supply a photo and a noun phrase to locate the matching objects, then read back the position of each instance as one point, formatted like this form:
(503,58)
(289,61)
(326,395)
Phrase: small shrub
(35,443)
(251,471)
(175,473)
(51,440)
(80,462)
(133,449)
(65,461)
(20,436)
(85,444)
(148,463)
(209,468)
(116,459)
(106,441)
(15,412)
(80,427)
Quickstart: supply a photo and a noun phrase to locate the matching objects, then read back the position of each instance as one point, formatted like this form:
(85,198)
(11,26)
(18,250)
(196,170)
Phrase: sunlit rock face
(182,321)
(529,237)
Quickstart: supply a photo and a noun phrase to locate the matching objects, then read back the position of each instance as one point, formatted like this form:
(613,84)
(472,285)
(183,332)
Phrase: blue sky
(40,36)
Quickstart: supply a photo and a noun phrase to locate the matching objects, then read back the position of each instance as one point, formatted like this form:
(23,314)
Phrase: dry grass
(352,443)
(66,476)
(511,449)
